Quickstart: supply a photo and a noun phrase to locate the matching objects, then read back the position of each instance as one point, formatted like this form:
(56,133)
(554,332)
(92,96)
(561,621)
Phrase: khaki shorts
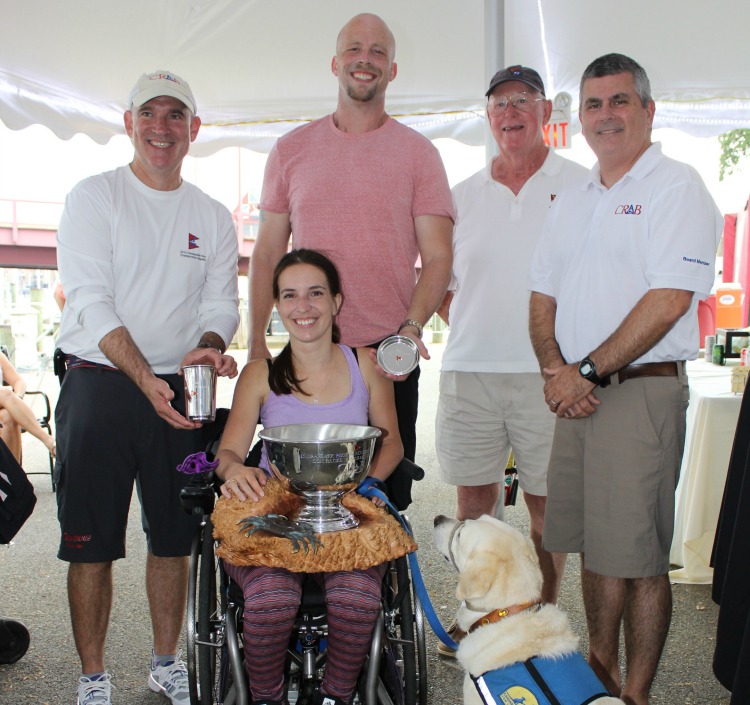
(481,416)
(613,475)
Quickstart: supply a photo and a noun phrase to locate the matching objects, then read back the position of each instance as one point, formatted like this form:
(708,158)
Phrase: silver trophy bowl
(322,462)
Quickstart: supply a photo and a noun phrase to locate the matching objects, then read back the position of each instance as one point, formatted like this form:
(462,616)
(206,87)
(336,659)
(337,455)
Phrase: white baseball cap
(152,85)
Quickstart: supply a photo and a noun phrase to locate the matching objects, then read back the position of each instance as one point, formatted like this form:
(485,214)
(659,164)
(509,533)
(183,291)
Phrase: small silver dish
(398,355)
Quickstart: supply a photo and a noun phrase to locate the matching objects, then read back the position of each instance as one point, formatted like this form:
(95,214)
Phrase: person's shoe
(94,691)
(455,633)
(172,680)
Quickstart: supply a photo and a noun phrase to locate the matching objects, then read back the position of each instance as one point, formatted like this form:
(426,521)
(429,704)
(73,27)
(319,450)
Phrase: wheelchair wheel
(399,680)
(421,645)
(406,628)
(205,628)
(14,640)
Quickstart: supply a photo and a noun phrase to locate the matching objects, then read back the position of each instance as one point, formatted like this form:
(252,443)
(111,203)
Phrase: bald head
(368,23)
(364,63)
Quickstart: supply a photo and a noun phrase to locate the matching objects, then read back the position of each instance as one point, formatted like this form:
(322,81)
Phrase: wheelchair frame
(395,672)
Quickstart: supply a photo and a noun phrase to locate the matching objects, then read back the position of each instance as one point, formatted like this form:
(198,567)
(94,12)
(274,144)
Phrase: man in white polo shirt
(490,389)
(615,281)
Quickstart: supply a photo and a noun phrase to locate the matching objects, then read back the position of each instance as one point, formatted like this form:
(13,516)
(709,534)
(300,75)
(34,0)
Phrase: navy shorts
(109,438)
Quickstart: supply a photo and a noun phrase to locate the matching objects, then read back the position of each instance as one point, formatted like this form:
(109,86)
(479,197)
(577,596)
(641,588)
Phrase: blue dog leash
(372,487)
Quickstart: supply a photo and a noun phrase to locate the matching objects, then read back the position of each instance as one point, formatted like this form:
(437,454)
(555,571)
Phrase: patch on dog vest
(567,680)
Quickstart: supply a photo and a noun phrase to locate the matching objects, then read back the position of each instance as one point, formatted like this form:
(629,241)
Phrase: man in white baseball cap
(150,269)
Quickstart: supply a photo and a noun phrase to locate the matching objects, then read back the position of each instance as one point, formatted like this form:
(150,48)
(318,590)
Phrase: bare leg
(10,432)
(604,600)
(648,612)
(22,414)
(166,586)
(552,564)
(477,500)
(90,599)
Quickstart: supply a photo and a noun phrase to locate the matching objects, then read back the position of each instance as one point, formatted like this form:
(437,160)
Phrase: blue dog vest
(568,680)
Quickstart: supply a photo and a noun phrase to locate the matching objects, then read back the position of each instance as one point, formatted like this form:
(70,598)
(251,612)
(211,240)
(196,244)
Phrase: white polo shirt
(603,249)
(493,241)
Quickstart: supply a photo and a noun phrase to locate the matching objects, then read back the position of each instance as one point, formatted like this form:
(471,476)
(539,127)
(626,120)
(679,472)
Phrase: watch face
(586,368)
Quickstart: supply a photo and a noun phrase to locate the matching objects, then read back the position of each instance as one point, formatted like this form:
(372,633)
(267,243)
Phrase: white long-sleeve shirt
(161,263)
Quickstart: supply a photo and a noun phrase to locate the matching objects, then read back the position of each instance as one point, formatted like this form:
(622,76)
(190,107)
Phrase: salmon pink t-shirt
(354,196)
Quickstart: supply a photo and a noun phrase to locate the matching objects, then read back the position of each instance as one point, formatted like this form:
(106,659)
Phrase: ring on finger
(554,403)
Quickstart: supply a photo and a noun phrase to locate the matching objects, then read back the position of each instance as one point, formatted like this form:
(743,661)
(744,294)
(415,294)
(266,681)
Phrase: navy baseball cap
(517,73)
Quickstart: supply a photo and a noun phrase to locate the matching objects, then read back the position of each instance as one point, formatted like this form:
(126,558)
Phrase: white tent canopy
(258,67)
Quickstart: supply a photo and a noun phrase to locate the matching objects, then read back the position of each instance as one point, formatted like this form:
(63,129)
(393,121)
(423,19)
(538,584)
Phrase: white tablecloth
(711,421)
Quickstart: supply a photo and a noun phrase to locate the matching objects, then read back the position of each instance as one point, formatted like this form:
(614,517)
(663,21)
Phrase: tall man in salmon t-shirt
(373,195)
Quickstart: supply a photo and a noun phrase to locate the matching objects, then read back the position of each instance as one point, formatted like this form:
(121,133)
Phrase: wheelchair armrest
(410,469)
(199,495)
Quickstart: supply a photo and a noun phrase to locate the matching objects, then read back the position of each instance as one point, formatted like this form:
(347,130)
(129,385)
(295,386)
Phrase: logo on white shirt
(628,209)
(190,253)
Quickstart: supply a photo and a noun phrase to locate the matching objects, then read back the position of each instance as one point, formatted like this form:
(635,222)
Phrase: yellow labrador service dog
(517,651)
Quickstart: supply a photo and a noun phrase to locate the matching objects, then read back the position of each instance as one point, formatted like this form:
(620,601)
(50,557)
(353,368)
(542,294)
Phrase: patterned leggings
(272,598)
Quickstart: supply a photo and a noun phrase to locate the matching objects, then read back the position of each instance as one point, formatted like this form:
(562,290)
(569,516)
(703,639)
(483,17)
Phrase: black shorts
(108,438)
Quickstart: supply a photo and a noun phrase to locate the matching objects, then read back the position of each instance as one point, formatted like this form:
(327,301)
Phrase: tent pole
(494,56)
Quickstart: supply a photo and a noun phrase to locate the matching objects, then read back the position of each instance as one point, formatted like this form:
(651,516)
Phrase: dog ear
(479,574)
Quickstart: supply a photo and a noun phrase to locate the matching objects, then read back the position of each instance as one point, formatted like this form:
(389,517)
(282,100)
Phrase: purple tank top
(282,409)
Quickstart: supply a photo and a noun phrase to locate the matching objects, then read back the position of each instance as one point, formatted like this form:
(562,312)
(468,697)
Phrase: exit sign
(558,132)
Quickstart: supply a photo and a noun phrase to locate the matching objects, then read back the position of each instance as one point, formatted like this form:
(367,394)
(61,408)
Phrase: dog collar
(456,529)
(497,615)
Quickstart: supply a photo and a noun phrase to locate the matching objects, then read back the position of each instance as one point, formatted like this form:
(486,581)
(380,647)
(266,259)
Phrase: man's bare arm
(270,247)
(120,348)
(646,324)
(445,307)
(542,313)
(435,240)
(649,321)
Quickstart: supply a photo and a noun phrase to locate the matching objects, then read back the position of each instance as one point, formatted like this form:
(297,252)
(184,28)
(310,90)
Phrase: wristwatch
(414,324)
(205,345)
(587,370)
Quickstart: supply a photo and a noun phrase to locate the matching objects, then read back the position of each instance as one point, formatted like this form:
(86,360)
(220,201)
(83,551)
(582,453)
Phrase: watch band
(592,375)
(208,346)
(416,324)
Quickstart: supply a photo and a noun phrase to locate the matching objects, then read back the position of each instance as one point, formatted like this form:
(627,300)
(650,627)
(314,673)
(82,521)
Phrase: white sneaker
(172,680)
(94,692)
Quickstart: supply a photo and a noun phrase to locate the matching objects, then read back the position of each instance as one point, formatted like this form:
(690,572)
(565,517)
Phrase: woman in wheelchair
(15,414)
(313,380)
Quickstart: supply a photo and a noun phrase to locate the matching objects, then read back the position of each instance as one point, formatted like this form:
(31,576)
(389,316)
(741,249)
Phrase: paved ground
(32,588)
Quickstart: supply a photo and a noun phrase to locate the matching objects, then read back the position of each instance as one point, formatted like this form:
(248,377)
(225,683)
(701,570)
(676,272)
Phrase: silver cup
(322,463)
(200,392)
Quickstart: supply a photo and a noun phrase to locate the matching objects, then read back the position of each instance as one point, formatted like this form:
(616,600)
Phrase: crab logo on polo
(629,209)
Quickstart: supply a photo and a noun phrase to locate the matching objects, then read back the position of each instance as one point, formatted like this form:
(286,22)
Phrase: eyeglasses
(520,101)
